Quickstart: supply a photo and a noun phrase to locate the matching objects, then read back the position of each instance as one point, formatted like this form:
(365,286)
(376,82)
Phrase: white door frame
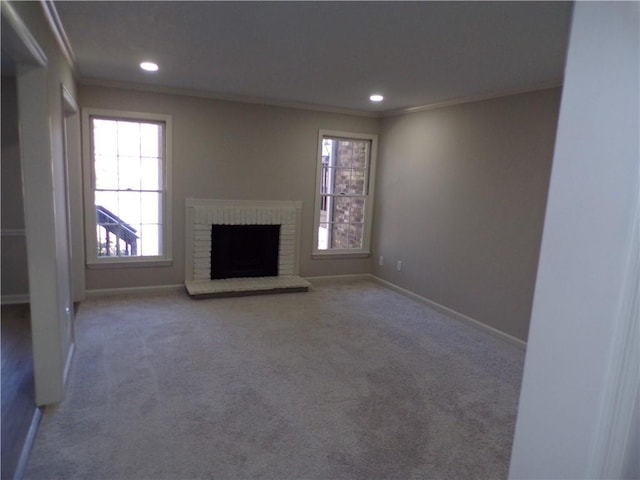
(47,312)
(74,198)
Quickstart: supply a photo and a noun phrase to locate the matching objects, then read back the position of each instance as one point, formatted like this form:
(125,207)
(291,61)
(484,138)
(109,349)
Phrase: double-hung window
(128,199)
(344,193)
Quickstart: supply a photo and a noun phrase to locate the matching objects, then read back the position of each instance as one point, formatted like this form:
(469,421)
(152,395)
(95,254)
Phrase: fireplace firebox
(243,251)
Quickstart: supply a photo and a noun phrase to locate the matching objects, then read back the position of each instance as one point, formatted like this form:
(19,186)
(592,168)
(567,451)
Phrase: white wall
(228,150)
(460,201)
(581,369)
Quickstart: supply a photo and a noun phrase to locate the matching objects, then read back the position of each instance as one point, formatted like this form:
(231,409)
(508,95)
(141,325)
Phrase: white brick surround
(202,213)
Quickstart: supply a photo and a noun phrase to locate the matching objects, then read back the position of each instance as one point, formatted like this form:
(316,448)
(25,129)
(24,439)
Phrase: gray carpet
(348,381)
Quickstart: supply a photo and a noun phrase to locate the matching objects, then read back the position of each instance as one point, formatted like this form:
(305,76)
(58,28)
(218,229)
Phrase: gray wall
(15,279)
(460,201)
(231,150)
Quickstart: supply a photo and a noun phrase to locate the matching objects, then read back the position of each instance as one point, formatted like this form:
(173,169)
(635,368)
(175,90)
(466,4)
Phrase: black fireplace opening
(239,251)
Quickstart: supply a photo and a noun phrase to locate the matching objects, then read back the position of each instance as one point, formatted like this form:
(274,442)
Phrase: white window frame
(93,261)
(365,251)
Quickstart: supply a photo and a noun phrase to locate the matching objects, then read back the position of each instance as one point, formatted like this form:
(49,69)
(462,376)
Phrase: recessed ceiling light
(376,97)
(149,66)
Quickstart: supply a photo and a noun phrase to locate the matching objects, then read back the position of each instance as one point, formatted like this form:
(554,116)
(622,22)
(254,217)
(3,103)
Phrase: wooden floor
(18,392)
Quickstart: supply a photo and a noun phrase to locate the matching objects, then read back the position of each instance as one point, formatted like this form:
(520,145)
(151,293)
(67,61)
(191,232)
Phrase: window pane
(106,172)
(326,180)
(129,173)
(340,235)
(352,153)
(129,210)
(356,210)
(128,139)
(114,236)
(150,140)
(108,200)
(323,236)
(358,179)
(344,152)
(341,209)
(150,239)
(150,174)
(150,206)
(105,137)
(349,181)
(355,235)
(342,181)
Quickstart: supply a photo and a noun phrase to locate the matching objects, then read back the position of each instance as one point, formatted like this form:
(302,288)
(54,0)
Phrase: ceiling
(327,54)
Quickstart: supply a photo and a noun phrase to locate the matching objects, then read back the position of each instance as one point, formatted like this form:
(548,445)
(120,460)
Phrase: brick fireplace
(202,214)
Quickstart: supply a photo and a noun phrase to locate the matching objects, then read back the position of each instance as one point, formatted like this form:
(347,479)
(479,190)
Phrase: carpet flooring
(347,381)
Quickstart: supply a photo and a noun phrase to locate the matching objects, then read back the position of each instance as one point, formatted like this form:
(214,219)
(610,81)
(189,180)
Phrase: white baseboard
(67,365)
(338,278)
(108,292)
(334,278)
(452,313)
(21,468)
(14,299)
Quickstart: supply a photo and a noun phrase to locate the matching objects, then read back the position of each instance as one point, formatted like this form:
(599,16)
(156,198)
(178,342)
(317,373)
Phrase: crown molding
(474,98)
(19,43)
(55,24)
(89,81)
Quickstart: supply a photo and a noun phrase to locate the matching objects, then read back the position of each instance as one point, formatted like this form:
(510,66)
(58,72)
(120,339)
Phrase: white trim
(12,232)
(474,98)
(189,218)
(58,30)
(97,82)
(187,92)
(331,254)
(69,103)
(23,48)
(15,299)
(40,182)
(365,251)
(93,261)
(350,277)
(67,364)
(129,262)
(110,292)
(72,135)
(21,467)
(452,313)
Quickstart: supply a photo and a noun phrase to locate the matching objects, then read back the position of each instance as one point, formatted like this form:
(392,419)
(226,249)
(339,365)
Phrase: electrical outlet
(399,265)
(381,260)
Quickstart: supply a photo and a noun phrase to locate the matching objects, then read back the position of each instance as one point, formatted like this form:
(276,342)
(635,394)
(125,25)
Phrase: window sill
(338,254)
(161,262)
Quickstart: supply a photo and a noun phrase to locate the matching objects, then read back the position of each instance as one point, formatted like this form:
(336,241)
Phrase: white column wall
(581,368)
